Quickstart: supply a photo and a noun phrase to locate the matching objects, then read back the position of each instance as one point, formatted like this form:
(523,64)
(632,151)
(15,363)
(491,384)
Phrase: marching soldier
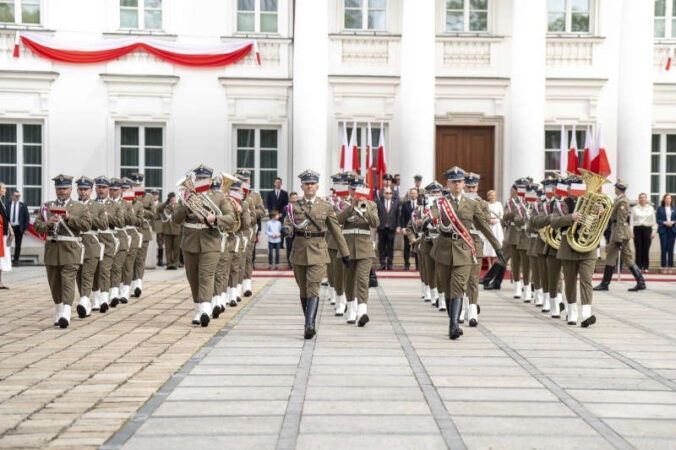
(524,290)
(202,243)
(357,219)
(158,228)
(143,205)
(620,234)
(415,234)
(429,243)
(256,203)
(62,221)
(93,248)
(236,242)
(456,215)
(107,237)
(133,217)
(171,231)
(336,268)
(535,243)
(310,218)
(123,214)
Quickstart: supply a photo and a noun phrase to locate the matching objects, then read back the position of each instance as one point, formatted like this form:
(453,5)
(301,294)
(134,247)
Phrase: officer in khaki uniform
(202,244)
(94,249)
(107,237)
(256,203)
(143,205)
(171,231)
(575,264)
(157,228)
(357,219)
(522,247)
(245,254)
(310,218)
(123,214)
(620,235)
(460,256)
(62,221)
(535,243)
(133,215)
(335,271)
(236,241)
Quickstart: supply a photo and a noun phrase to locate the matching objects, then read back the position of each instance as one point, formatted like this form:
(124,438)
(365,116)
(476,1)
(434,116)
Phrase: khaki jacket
(99,222)
(255,199)
(537,245)
(477,238)
(309,251)
(165,213)
(113,219)
(566,253)
(60,253)
(360,245)
(200,238)
(511,218)
(620,230)
(337,208)
(148,215)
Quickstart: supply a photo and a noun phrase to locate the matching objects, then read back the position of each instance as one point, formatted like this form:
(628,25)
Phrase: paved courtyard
(519,380)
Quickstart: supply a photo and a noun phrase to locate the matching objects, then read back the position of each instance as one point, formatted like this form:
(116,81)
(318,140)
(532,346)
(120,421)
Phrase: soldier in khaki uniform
(171,231)
(336,268)
(460,255)
(133,217)
(414,233)
(310,218)
(62,221)
(256,203)
(93,247)
(236,245)
(248,233)
(620,235)
(107,237)
(123,214)
(143,205)
(526,292)
(202,243)
(158,228)
(429,244)
(535,244)
(357,219)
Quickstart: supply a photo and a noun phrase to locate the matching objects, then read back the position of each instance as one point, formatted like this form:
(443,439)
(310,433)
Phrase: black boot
(486,280)
(303,304)
(640,282)
(454,306)
(497,281)
(607,276)
(160,254)
(310,316)
(373,279)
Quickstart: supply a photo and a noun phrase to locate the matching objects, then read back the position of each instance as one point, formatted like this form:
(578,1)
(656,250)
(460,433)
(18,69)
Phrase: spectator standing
(497,212)
(417,185)
(407,209)
(666,219)
(644,225)
(273,230)
(387,183)
(388,213)
(277,198)
(396,183)
(293,196)
(19,219)
(6,234)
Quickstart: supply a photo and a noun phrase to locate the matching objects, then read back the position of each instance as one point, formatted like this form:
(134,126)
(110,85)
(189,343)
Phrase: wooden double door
(471,148)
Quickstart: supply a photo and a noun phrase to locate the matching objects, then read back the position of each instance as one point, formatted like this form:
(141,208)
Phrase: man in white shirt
(19,220)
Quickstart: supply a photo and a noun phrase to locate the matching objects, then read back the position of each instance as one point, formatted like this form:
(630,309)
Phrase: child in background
(273,229)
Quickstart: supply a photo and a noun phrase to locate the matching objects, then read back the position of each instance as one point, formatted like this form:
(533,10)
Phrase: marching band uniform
(171,231)
(535,245)
(336,268)
(236,243)
(143,202)
(158,227)
(472,291)
(428,245)
(133,223)
(357,226)
(64,251)
(310,219)
(522,251)
(256,203)
(620,235)
(123,214)
(110,242)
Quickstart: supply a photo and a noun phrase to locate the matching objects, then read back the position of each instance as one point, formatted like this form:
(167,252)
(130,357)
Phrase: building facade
(484,84)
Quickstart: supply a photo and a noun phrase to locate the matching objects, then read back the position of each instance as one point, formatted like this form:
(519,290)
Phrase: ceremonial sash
(458,227)
(289,212)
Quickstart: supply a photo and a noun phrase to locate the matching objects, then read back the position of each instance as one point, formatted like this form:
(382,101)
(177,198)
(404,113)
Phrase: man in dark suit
(388,212)
(19,219)
(277,198)
(407,209)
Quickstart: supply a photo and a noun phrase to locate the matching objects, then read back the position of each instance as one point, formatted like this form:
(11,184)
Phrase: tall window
(20,11)
(553,148)
(467,15)
(665,18)
(21,160)
(141,14)
(365,14)
(258,151)
(257,16)
(362,132)
(569,16)
(662,166)
(142,150)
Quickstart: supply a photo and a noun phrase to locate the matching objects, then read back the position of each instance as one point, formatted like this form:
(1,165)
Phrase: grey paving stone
(363,393)
(220,408)
(237,380)
(165,427)
(230,441)
(230,393)
(364,407)
(349,424)
(371,441)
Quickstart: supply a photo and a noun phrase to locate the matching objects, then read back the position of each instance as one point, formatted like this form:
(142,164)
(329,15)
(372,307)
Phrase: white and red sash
(458,227)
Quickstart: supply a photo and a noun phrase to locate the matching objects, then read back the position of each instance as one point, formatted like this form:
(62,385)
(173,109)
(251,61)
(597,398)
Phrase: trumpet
(199,204)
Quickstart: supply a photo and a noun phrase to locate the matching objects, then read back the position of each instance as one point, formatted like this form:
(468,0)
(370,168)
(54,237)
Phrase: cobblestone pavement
(77,387)
(519,380)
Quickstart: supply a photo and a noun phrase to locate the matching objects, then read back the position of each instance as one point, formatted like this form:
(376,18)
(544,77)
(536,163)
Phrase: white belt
(130,227)
(357,231)
(196,226)
(534,235)
(90,233)
(59,237)
(105,231)
(119,229)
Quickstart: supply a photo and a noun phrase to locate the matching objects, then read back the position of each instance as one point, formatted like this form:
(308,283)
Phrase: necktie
(277,193)
(309,204)
(13,220)
(455,203)
(387,205)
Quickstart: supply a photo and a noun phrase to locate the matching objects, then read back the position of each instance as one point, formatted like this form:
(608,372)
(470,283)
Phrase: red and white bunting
(354,157)
(531,196)
(381,168)
(549,190)
(128,195)
(139,192)
(246,187)
(236,196)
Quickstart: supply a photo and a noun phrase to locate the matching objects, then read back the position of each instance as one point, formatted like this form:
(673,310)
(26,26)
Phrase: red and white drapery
(193,55)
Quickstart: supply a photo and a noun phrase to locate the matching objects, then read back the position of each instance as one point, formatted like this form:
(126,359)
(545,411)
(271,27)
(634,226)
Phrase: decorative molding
(139,96)
(575,93)
(483,94)
(262,99)
(27,92)
(461,51)
(660,55)
(577,51)
(373,50)
(367,97)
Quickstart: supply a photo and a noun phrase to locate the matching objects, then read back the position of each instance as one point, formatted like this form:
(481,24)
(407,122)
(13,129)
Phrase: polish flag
(521,191)
(670,56)
(355,149)
(362,192)
(343,147)
(577,189)
(563,152)
(587,158)
(549,190)
(573,162)
(202,185)
(381,168)
(369,161)
(531,195)
(599,160)
(562,189)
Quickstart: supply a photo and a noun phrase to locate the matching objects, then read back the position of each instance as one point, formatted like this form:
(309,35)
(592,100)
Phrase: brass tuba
(199,204)
(551,236)
(226,182)
(585,235)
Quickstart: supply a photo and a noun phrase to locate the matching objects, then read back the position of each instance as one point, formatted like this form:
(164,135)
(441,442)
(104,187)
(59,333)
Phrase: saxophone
(596,208)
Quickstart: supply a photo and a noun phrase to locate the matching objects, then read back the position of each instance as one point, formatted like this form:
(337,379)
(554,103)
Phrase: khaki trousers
(85,276)
(309,278)
(535,272)
(521,261)
(459,278)
(430,271)
(338,269)
(140,261)
(222,272)
(250,249)
(128,267)
(171,248)
(473,282)
(553,275)
(102,275)
(61,280)
(613,249)
(571,270)
(200,269)
(357,280)
(117,268)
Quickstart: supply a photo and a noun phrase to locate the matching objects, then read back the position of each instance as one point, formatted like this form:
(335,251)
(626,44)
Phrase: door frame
(474,120)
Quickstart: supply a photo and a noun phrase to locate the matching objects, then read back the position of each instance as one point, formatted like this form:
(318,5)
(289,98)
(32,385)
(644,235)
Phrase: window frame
(18,15)
(257,12)
(567,29)
(142,167)
(365,17)
(579,128)
(140,16)
(669,17)
(662,173)
(20,185)
(466,8)
(256,170)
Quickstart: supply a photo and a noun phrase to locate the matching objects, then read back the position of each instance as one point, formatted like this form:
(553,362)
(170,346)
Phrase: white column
(525,155)
(635,97)
(415,149)
(310,84)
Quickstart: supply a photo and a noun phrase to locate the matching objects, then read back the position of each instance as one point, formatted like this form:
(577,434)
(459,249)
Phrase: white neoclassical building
(484,84)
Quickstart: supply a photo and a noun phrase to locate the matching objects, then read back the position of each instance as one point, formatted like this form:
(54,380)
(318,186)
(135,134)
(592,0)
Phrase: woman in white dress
(6,236)
(496,226)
